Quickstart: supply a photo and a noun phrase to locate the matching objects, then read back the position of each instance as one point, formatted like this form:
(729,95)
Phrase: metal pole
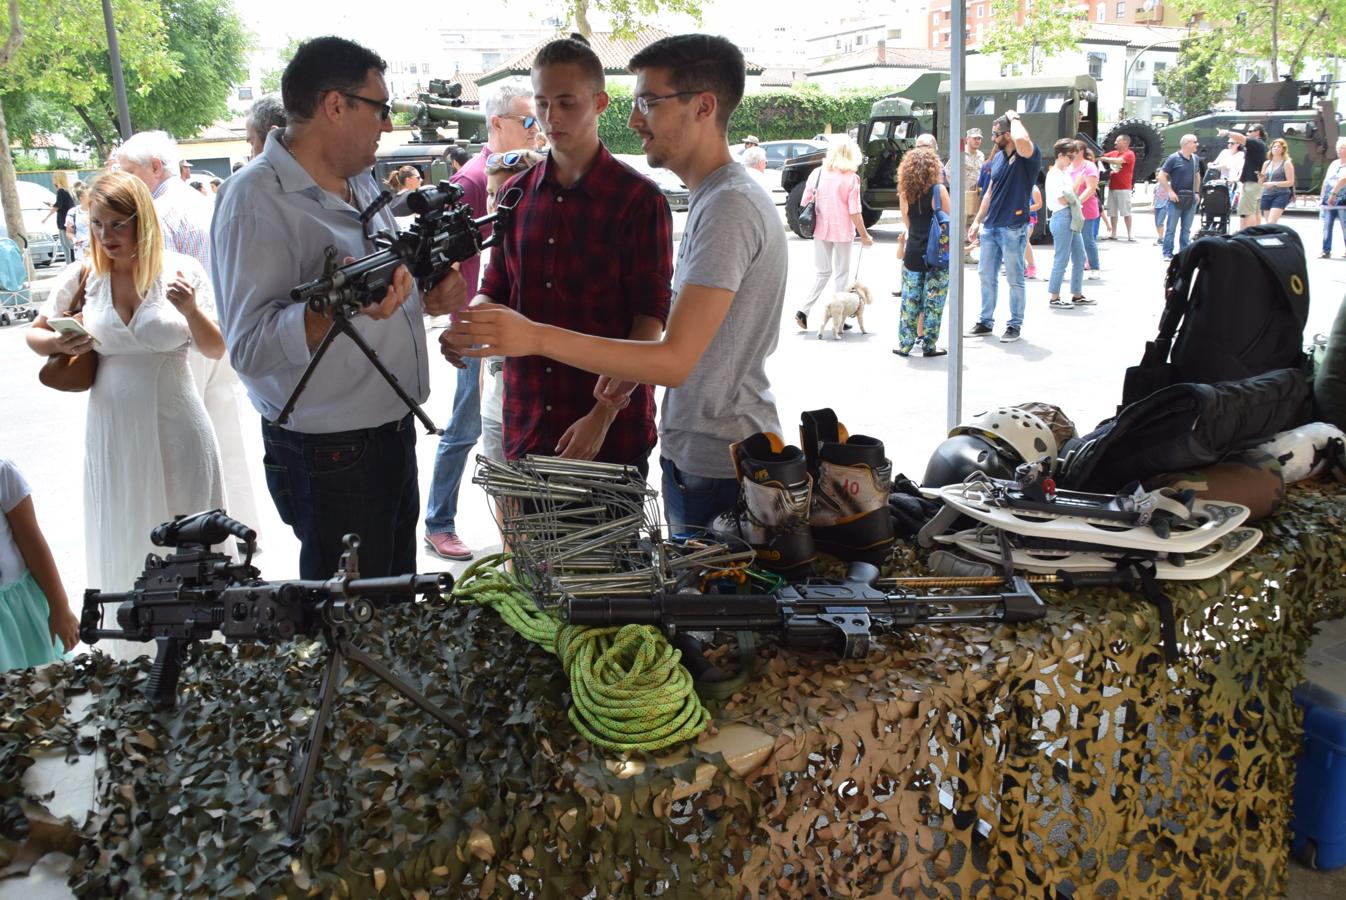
(118,83)
(954,304)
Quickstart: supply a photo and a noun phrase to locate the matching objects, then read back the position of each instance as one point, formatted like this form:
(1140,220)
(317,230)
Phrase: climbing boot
(772,513)
(849,515)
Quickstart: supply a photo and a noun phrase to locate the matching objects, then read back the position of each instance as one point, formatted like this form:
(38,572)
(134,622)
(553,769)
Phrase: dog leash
(858,257)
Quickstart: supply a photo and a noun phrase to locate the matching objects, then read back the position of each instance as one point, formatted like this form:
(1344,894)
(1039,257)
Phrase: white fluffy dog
(849,303)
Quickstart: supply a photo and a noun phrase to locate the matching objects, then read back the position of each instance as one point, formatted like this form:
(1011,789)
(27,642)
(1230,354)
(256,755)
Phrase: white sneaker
(1091,275)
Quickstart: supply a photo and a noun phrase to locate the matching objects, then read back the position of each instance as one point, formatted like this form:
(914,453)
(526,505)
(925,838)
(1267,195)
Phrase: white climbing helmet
(1022,433)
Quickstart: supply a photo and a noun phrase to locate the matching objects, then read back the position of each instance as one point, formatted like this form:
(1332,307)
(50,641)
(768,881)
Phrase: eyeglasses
(385,109)
(643,103)
(114,228)
(504,160)
(529,122)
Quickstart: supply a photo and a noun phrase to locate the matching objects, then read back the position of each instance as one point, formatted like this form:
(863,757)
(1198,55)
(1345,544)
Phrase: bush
(66,164)
(25,162)
(771,115)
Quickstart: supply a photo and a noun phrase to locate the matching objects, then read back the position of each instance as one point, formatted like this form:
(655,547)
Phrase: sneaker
(1081,300)
(1058,303)
(1092,275)
(1031,272)
(1325,256)
(446,545)
(1010,336)
(1168,257)
(980,330)
(802,321)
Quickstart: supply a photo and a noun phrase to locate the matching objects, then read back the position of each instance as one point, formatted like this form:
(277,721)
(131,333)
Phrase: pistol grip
(162,687)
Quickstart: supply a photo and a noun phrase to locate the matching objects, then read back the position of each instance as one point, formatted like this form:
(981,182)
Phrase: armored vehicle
(440,105)
(1297,111)
(1051,108)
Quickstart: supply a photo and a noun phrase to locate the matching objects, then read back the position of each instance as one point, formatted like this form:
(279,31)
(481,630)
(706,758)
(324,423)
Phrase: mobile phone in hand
(70,325)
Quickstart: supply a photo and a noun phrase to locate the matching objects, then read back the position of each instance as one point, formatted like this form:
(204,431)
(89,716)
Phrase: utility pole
(118,83)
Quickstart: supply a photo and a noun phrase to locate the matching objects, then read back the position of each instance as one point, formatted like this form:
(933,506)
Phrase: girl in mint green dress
(36,624)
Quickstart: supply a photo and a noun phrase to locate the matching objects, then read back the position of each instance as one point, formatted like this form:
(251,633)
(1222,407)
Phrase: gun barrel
(439,583)
(683,611)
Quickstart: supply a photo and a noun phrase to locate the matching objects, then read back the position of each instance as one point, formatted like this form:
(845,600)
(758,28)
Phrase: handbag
(937,241)
(808,214)
(1187,199)
(62,371)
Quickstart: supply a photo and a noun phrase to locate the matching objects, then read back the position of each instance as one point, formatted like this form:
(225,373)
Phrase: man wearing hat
(973,160)
(184,170)
(750,141)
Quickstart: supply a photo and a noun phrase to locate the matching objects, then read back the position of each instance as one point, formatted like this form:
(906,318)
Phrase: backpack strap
(934,197)
(1281,250)
(1177,299)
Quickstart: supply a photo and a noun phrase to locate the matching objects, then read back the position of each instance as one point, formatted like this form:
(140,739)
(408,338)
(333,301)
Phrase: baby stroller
(14,292)
(1216,204)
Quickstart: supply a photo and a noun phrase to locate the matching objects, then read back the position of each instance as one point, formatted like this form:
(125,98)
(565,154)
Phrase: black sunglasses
(385,109)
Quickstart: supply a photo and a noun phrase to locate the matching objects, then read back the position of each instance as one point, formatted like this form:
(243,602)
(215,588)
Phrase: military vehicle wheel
(869,215)
(793,203)
(1146,143)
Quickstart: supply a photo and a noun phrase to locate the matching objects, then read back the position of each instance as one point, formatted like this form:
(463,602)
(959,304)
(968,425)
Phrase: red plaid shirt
(589,258)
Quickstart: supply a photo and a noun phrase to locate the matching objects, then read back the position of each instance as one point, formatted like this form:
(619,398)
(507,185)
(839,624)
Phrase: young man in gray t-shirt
(728,286)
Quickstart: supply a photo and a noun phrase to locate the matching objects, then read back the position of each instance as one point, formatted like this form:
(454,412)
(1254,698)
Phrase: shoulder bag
(62,371)
(808,214)
(937,241)
(1187,199)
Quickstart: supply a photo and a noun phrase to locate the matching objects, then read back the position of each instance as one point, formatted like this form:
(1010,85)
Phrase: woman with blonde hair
(65,202)
(836,188)
(924,287)
(1278,181)
(150,452)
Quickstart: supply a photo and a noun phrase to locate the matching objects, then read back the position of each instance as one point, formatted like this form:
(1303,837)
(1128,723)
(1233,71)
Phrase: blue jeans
(1176,217)
(1330,217)
(1090,235)
(363,482)
(1002,245)
(691,501)
(457,441)
(1067,245)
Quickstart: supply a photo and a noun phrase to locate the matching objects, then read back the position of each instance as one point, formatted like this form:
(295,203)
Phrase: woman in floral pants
(924,287)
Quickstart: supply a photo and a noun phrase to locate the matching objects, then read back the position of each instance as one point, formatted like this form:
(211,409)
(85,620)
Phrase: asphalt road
(1074,359)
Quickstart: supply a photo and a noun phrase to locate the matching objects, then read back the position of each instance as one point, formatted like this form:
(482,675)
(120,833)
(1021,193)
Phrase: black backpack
(1234,307)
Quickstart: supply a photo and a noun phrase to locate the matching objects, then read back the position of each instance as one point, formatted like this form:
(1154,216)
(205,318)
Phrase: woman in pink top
(837,217)
(1085,175)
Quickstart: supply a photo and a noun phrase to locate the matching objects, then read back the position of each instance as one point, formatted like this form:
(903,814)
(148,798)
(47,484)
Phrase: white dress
(150,451)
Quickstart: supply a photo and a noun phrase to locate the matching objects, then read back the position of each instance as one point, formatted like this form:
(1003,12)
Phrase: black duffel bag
(1183,427)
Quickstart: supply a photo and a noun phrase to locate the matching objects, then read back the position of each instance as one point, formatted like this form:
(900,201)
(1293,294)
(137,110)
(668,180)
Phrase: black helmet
(960,456)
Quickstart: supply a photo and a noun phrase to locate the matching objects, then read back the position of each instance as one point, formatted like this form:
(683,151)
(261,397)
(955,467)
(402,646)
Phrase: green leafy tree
(1201,77)
(1284,33)
(1030,37)
(627,15)
(271,77)
(53,50)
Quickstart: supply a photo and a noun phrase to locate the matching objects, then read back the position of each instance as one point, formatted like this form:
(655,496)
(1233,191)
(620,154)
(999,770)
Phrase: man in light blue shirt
(345,460)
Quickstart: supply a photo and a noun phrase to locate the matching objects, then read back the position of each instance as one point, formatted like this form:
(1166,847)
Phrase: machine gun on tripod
(443,234)
(194,592)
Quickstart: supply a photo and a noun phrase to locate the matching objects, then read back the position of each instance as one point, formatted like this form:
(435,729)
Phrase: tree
(627,15)
(1046,28)
(1201,77)
(271,77)
(1284,33)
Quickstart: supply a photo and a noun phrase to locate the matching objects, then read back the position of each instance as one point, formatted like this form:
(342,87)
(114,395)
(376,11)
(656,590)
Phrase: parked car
(44,243)
(674,191)
(777,152)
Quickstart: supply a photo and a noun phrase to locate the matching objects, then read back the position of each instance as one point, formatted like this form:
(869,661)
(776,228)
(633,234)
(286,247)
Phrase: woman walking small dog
(836,188)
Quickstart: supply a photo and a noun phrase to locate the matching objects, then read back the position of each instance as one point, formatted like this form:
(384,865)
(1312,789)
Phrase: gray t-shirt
(734,241)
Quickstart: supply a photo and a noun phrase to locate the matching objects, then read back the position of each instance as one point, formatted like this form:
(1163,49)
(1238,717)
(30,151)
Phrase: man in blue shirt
(1180,179)
(345,461)
(1004,210)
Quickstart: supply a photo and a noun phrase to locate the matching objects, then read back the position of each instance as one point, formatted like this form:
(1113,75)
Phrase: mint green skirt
(24,638)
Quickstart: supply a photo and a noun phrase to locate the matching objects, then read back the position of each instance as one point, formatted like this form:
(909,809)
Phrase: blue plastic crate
(1319,821)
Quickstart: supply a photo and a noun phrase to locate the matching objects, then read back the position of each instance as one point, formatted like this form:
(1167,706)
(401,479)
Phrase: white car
(42,239)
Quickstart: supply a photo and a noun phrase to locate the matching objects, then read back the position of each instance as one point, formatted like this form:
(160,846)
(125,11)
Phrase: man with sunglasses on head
(730,286)
(590,250)
(345,460)
(511,126)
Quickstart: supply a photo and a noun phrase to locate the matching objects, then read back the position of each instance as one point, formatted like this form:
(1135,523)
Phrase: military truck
(440,105)
(1297,111)
(1051,108)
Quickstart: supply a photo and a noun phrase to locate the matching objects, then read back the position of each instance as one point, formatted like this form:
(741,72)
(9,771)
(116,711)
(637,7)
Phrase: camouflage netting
(953,762)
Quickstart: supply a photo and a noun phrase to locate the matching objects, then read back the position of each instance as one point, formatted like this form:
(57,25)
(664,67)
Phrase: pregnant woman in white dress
(150,452)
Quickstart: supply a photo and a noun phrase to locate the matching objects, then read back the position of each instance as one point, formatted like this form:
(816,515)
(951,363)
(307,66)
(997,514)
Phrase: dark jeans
(691,501)
(363,482)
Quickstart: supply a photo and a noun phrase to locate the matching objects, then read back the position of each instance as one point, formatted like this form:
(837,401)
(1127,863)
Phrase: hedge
(770,115)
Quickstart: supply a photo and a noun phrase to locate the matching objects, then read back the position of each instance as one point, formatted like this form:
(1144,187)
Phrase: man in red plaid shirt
(590,249)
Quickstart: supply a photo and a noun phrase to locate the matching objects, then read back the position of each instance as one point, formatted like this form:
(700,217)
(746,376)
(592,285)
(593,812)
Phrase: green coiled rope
(628,687)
